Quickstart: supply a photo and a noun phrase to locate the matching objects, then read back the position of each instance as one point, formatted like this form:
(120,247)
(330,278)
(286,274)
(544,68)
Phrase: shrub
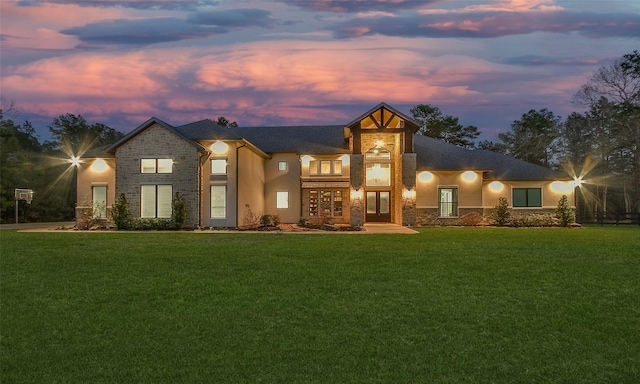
(501,212)
(145,224)
(178,211)
(266,220)
(250,220)
(534,220)
(564,212)
(471,219)
(120,213)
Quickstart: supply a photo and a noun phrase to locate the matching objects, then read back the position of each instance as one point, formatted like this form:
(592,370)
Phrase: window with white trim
(155,201)
(527,197)
(282,199)
(282,165)
(218,201)
(99,199)
(447,202)
(156,166)
(218,166)
(325,202)
(325,167)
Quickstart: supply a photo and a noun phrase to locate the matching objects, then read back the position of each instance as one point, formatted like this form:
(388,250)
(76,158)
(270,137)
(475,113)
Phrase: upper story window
(218,166)
(156,165)
(377,154)
(325,167)
(527,197)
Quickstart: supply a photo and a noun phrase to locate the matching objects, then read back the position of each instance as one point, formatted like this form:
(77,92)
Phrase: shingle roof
(437,155)
(204,130)
(317,140)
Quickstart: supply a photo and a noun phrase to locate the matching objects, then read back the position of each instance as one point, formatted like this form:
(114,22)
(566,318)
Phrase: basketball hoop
(24,194)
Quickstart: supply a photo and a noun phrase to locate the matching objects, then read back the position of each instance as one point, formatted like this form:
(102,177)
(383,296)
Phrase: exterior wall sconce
(99,165)
(380,143)
(219,147)
(496,186)
(469,176)
(357,194)
(408,194)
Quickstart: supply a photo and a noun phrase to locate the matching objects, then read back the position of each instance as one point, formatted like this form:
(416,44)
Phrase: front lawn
(449,305)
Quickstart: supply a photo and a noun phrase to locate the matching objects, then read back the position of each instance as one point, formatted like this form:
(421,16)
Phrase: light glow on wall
(425,176)
(99,165)
(356,194)
(408,194)
(306,159)
(346,160)
(496,186)
(562,186)
(469,176)
(219,147)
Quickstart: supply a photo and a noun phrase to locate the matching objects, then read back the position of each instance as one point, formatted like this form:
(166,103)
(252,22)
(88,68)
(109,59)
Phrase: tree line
(600,145)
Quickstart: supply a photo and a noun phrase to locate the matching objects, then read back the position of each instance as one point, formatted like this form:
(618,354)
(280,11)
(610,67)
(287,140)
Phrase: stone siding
(157,142)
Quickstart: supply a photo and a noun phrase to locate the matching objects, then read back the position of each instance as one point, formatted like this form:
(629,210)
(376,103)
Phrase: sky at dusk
(304,62)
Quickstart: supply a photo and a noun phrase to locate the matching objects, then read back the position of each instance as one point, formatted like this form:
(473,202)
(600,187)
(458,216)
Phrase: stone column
(409,165)
(356,195)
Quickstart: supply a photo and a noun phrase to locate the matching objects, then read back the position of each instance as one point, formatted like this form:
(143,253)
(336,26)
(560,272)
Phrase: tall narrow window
(337,167)
(99,199)
(325,167)
(155,201)
(313,203)
(448,202)
(313,167)
(337,203)
(218,201)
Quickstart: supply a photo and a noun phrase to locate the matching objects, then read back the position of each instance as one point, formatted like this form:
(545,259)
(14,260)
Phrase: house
(376,168)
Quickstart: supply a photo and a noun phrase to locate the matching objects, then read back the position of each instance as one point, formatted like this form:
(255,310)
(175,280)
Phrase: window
(282,200)
(378,175)
(99,198)
(218,166)
(327,203)
(282,165)
(156,165)
(325,167)
(218,201)
(527,197)
(155,201)
(337,167)
(448,202)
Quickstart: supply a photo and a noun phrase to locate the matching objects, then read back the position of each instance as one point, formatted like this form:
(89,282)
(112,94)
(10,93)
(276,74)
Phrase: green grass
(450,305)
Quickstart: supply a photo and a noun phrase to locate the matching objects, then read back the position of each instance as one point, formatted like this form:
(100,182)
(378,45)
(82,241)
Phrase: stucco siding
(251,179)
(288,181)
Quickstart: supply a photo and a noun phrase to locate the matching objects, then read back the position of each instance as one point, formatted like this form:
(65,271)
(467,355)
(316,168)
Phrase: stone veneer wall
(409,165)
(356,205)
(153,143)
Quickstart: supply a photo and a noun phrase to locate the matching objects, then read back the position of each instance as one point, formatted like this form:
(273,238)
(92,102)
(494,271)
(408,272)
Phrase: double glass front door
(379,206)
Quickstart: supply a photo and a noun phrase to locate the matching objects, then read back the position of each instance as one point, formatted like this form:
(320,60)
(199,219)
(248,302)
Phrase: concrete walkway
(374,228)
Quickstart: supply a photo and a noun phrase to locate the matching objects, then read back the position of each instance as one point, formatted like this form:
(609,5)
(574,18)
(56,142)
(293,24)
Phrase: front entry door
(379,206)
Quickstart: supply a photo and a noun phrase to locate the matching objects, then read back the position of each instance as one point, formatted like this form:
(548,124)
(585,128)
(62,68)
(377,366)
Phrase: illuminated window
(527,197)
(325,202)
(218,166)
(448,202)
(155,201)
(325,167)
(282,165)
(337,167)
(313,167)
(282,200)
(156,165)
(378,175)
(99,198)
(218,201)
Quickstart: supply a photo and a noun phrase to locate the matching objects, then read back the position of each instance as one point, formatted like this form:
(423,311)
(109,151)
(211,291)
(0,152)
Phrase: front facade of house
(374,169)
